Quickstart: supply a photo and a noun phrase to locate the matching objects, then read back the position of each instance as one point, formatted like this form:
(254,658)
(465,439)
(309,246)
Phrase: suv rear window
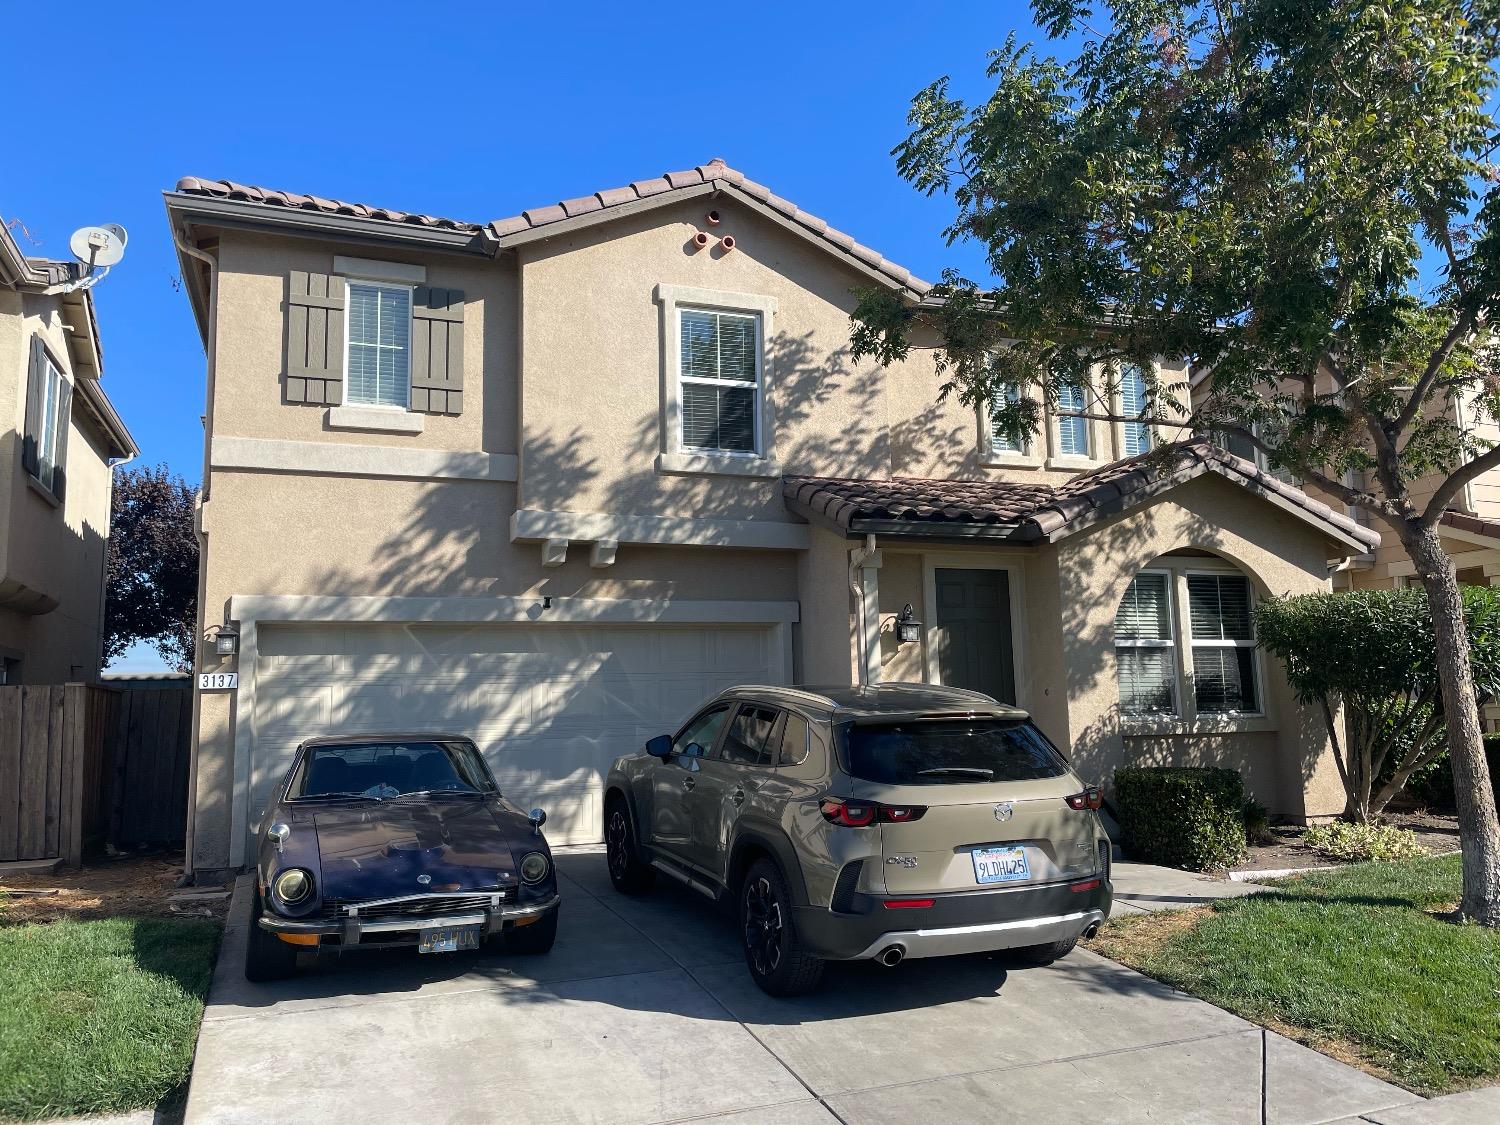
(931,752)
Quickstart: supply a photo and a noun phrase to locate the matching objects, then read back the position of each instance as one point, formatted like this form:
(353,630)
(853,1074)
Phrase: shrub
(1432,785)
(1182,816)
(1364,841)
(1257,822)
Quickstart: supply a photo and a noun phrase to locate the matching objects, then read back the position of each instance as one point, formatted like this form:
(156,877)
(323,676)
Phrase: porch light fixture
(908,628)
(225,639)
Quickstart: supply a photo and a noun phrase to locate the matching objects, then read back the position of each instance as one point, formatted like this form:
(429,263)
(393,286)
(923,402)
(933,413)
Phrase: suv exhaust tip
(891,955)
(1089,933)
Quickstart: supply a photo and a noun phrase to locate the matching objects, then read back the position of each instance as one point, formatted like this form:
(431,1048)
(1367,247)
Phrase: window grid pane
(50,422)
(719,375)
(1072,431)
(379,319)
(1144,612)
(1000,441)
(1220,607)
(1145,652)
(1133,405)
(1224,679)
(1146,681)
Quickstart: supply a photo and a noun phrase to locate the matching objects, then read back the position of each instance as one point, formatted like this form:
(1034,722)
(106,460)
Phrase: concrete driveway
(644,1013)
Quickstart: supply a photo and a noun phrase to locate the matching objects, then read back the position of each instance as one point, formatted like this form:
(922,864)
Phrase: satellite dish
(98,247)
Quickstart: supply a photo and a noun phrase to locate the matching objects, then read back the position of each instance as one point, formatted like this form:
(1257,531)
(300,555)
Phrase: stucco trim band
(341,459)
(531,525)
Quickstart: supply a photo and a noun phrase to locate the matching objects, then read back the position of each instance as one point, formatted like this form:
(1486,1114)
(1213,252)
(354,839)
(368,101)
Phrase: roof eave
(108,419)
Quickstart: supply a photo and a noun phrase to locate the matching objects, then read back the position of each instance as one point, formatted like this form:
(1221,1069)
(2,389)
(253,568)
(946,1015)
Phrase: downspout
(188,870)
(866,588)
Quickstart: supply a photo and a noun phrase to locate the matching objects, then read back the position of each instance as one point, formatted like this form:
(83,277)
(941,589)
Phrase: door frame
(1015,572)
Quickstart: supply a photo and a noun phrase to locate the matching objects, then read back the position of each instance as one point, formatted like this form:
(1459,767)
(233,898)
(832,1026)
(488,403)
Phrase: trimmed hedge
(1181,816)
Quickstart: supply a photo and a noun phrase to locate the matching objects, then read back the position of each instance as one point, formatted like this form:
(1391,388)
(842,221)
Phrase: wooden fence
(81,764)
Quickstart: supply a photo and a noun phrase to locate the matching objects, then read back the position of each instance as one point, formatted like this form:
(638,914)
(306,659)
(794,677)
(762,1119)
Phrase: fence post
(74,776)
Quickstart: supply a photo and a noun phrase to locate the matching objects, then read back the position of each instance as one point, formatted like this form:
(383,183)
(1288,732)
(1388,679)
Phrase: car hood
(378,851)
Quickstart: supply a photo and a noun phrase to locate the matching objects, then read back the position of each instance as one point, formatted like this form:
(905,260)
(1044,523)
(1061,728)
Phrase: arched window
(1185,640)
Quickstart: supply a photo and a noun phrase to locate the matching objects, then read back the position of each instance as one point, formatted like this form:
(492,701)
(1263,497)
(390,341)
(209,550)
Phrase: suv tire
(1045,954)
(629,873)
(267,957)
(774,953)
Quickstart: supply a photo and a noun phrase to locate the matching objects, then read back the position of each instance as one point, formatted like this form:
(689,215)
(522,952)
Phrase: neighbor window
(1072,427)
(1145,652)
(1223,643)
(1242,446)
(1133,405)
(47,422)
(379,337)
(1000,440)
(720,381)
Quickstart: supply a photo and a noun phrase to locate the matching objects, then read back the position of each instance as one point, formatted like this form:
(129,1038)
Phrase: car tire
(537,938)
(629,873)
(1045,954)
(774,953)
(267,957)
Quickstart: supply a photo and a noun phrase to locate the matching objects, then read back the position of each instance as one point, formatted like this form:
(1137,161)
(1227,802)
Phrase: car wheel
(773,951)
(535,938)
(267,957)
(1044,954)
(627,871)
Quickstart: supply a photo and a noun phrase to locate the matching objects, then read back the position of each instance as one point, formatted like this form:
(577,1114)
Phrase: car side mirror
(538,818)
(660,746)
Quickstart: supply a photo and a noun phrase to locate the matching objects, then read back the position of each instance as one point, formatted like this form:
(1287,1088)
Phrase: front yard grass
(99,1016)
(1357,962)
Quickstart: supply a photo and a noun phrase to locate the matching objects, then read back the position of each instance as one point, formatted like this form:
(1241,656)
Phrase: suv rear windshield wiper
(959,771)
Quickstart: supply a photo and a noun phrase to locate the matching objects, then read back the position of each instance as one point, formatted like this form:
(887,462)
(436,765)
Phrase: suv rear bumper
(965,922)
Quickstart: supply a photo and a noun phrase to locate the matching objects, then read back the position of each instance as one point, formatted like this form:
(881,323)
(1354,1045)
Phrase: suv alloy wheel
(773,951)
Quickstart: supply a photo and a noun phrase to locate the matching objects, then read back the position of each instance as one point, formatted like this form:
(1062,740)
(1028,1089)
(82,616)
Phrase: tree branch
(1461,328)
(1451,487)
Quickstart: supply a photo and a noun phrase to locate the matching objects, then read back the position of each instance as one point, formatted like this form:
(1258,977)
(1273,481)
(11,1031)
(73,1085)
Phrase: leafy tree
(151,591)
(1370,651)
(1256,186)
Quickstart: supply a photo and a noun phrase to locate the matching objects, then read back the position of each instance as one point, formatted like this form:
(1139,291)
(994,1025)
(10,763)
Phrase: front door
(973,637)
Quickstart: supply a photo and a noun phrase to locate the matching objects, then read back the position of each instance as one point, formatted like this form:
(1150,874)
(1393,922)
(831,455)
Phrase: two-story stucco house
(59,438)
(554,479)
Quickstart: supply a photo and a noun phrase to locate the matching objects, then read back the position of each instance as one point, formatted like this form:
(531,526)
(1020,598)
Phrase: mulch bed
(1437,832)
(133,886)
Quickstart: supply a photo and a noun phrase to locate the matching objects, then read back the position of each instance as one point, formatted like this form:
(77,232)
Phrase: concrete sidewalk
(644,1013)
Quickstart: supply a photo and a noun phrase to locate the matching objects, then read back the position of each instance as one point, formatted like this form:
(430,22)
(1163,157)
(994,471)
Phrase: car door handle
(688,783)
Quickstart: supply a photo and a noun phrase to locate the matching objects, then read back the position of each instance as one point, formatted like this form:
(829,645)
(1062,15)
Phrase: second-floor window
(1072,426)
(1133,405)
(47,421)
(720,381)
(379,339)
(1000,440)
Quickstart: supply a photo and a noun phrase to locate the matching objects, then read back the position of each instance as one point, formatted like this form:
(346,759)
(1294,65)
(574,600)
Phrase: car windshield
(383,770)
(930,752)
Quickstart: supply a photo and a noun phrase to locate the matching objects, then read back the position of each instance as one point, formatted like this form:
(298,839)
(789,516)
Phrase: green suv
(904,820)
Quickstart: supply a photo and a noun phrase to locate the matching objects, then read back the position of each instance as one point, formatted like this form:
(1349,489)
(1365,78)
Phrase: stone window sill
(1000,460)
(42,491)
(1169,726)
(383,419)
(1073,464)
(721,464)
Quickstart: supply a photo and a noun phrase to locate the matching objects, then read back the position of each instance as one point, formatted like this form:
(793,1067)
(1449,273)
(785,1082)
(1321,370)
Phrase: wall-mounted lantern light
(908,628)
(224,638)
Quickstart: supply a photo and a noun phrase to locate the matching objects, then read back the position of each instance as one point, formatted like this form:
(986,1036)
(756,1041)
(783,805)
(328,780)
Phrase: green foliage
(1181,816)
(151,589)
(1364,841)
(1257,822)
(1351,956)
(1370,651)
(99,1017)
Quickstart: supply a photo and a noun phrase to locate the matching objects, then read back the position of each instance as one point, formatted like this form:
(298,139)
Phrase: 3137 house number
(218,681)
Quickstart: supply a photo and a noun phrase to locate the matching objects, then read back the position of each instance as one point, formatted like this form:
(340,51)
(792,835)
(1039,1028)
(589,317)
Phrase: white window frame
(757,436)
(1171,643)
(50,422)
(1122,428)
(673,456)
(373,283)
(992,453)
(1193,643)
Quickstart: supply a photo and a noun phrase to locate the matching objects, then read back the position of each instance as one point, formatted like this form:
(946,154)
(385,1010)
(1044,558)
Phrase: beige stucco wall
(57,551)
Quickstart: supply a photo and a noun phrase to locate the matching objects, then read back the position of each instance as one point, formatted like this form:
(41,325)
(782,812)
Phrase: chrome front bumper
(951,940)
(350,929)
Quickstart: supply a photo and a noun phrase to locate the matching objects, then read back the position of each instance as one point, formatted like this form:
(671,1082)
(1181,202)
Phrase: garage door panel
(550,705)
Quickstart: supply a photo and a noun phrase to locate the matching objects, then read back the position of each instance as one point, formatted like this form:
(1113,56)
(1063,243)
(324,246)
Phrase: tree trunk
(1479,831)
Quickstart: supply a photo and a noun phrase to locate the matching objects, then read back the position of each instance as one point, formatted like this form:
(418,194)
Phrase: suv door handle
(688,783)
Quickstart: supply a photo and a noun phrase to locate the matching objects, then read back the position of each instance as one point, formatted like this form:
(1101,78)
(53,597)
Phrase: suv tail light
(862,814)
(1091,798)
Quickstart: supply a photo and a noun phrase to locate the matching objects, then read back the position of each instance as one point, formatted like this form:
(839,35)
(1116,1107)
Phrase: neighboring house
(552,480)
(59,439)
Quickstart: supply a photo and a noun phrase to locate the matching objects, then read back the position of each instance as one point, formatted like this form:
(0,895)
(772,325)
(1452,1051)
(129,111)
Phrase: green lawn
(1349,960)
(99,1016)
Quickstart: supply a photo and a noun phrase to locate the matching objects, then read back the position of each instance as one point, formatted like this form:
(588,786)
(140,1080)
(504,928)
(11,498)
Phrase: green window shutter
(437,350)
(31,435)
(315,338)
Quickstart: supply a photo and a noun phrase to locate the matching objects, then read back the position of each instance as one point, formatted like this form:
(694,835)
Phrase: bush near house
(1364,841)
(1182,816)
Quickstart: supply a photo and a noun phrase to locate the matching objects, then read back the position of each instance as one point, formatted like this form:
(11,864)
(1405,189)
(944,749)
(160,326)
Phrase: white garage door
(551,706)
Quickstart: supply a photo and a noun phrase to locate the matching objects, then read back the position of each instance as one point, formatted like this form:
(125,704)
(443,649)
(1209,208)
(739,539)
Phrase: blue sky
(474,111)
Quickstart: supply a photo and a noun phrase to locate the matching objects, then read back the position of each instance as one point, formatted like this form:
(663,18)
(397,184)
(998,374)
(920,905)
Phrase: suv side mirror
(660,746)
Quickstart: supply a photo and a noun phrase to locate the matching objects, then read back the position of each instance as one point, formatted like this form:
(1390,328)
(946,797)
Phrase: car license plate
(1000,865)
(449,939)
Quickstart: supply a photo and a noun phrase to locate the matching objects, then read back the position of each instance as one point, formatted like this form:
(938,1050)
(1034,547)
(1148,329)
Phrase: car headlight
(534,867)
(293,885)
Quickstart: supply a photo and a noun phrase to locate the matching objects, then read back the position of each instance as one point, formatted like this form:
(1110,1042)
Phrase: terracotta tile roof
(1462,521)
(718,173)
(1034,512)
(249,193)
